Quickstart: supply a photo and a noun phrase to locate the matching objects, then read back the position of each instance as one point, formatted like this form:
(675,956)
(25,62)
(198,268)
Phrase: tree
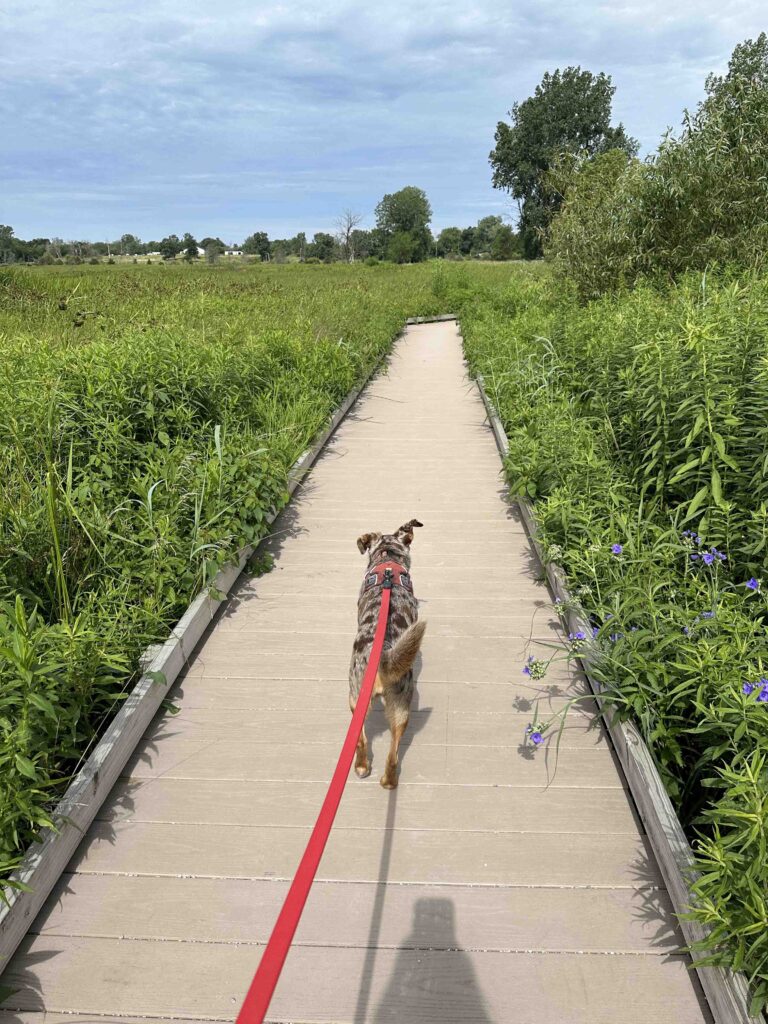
(323,246)
(449,242)
(258,244)
(345,228)
(505,244)
(129,245)
(190,247)
(485,232)
(570,111)
(7,244)
(170,247)
(362,243)
(467,241)
(213,247)
(406,212)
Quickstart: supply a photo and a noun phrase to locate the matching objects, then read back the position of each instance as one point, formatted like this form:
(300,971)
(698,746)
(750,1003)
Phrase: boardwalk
(474,892)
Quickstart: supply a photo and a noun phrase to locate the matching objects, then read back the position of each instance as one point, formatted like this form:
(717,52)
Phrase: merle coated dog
(394,680)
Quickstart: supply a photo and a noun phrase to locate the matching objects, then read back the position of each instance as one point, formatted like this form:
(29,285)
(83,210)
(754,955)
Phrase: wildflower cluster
(577,640)
(535,668)
(760,689)
(535,734)
(709,557)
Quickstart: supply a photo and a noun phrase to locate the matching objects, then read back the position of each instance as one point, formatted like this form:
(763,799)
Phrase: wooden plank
(487,917)
(439,807)
(215,756)
(520,858)
(466,729)
(410,984)
(727,993)
(213,700)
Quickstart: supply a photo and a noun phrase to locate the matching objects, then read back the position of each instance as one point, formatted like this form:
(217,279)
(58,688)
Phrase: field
(150,416)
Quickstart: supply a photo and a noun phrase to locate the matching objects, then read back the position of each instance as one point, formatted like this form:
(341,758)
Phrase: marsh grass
(149,419)
(639,424)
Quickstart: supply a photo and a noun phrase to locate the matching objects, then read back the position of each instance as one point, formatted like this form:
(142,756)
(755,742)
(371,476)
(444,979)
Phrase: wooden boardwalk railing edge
(44,862)
(726,992)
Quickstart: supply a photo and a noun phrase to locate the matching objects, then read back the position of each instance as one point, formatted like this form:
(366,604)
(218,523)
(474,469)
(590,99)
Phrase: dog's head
(381,546)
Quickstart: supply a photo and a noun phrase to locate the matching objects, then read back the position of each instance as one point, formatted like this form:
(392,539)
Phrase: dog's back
(402,640)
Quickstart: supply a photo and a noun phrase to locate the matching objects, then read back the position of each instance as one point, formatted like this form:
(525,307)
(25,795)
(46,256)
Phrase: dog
(394,679)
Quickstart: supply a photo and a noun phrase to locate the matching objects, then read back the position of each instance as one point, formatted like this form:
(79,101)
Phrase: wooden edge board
(44,862)
(726,992)
(441,318)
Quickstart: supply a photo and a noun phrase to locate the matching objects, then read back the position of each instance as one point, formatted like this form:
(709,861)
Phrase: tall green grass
(639,424)
(149,418)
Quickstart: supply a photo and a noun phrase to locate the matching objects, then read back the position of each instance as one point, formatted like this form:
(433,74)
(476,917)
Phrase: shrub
(702,200)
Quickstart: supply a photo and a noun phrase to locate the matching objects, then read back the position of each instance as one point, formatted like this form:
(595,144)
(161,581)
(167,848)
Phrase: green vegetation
(150,416)
(569,113)
(633,386)
(701,201)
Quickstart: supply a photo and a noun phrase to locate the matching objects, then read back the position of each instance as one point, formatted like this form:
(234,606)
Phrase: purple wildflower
(595,632)
(763,695)
(617,549)
(747,688)
(687,630)
(695,558)
(707,615)
(752,584)
(536,738)
(708,558)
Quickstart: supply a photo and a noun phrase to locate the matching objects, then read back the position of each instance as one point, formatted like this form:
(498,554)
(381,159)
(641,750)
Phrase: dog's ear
(405,532)
(366,541)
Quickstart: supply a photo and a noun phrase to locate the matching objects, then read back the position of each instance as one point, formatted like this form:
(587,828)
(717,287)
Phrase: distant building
(233,252)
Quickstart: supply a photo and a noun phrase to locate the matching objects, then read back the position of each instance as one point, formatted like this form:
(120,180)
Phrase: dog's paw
(388,782)
(362,771)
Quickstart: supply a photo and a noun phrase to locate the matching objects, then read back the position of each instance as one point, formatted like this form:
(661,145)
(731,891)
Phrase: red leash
(257,1001)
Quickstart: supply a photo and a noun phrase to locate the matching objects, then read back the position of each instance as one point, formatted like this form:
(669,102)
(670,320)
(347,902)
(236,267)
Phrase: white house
(233,252)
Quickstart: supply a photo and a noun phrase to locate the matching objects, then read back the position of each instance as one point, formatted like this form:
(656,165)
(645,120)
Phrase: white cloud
(175,115)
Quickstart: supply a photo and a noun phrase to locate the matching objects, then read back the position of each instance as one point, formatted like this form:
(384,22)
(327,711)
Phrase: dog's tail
(398,659)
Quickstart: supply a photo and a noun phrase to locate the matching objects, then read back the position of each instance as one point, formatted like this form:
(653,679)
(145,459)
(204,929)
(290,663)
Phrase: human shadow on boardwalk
(433,978)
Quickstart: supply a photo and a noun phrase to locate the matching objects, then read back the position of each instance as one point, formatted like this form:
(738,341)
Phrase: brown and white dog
(394,680)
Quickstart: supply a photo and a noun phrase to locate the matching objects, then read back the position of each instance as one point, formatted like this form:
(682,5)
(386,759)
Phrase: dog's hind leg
(362,760)
(397,716)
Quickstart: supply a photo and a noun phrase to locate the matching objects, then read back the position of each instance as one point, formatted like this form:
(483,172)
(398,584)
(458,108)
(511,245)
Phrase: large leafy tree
(170,247)
(190,247)
(402,218)
(449,241)
(323,246)
(258,244)
(569,112)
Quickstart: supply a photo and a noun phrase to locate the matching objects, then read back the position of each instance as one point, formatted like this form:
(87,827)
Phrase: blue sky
(164,116)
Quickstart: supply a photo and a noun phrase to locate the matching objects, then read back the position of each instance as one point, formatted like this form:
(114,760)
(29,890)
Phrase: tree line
(402,235)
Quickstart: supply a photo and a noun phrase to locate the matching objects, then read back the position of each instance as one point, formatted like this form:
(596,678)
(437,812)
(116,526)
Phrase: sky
(160,116)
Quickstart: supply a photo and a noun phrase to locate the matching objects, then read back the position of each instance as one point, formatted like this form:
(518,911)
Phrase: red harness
(398,574)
